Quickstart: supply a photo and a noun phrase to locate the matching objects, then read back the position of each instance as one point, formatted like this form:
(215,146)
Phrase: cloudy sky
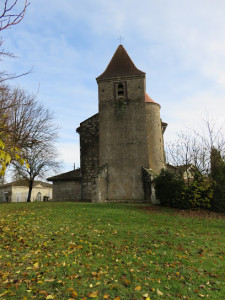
(180,44)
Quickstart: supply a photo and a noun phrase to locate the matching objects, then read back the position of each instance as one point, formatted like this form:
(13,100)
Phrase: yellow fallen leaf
(73,294)
(138,288)
(49,297)
(117,298)
(106,296)
(3,293)
(93,295)
(50,280)
(159,293)
(43,293)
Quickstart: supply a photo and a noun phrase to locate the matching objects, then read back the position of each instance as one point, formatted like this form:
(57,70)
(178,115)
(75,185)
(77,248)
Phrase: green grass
(82,251)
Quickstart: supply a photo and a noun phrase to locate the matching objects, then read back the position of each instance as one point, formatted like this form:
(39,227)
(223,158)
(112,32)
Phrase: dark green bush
(172,191)
(199,192)
(169,188)
(218,176)
(218,202)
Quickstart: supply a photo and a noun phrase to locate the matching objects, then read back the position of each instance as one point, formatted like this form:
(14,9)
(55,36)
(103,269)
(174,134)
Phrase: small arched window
(120,90)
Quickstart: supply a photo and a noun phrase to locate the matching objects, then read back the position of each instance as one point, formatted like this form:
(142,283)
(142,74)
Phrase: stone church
(121,147)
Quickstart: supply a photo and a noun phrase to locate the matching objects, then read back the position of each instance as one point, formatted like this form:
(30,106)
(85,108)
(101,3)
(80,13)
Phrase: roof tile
(120,65)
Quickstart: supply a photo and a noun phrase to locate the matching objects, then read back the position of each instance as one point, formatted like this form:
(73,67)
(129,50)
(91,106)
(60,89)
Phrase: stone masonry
(121,146)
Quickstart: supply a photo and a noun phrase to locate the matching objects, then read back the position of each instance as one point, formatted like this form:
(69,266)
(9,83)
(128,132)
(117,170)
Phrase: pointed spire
(120,65)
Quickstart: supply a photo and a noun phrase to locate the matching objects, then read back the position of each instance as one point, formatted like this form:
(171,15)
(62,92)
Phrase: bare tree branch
(195,147)
(9,16)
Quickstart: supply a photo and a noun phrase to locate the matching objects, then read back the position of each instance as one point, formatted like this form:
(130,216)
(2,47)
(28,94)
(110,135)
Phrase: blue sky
(179,44)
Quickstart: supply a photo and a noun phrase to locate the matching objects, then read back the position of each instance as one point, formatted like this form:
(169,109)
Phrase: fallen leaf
(138,288)
(145,295)
(73,294)
(36,265)
(50,280)
(93,295)
(43,293)
(49,297)
(159,293)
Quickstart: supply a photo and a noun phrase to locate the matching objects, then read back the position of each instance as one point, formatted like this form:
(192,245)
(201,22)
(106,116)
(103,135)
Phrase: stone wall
(67,190)
(123,137)
(155,137)
(89,149)
(100,186)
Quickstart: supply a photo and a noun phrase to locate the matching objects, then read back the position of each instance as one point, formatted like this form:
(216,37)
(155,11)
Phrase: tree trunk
(31,181)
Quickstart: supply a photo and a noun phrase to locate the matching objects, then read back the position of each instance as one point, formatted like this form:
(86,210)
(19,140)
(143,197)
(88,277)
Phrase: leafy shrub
(199,192)
(169,188)
(218,202)
(172,191)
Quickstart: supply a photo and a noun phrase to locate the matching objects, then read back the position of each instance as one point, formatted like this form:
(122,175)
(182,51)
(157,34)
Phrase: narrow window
(120,90)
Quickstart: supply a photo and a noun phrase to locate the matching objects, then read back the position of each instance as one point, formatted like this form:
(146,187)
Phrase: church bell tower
(123,144)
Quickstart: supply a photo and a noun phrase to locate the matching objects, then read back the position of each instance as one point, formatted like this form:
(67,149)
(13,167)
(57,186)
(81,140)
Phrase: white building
(17,191)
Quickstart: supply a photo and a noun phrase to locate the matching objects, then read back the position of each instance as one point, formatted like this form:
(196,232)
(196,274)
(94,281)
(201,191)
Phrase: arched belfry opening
(120,90)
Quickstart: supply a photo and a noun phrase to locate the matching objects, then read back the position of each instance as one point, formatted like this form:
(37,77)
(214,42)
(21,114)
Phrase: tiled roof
(120,65)
(71,175)
(25,182)
(148,99)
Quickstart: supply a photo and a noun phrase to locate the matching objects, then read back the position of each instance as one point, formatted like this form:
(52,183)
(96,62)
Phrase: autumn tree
(41,158)
(32,127)
(11,13)
(10,147)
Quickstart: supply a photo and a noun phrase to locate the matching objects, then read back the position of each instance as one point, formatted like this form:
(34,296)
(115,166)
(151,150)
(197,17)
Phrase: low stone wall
(67,190)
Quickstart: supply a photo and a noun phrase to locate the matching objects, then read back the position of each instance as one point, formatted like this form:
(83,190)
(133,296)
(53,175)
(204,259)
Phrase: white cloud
(179,44)
(69,153)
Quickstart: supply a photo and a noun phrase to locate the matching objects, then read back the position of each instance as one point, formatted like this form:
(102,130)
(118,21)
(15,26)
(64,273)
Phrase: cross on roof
(120,39)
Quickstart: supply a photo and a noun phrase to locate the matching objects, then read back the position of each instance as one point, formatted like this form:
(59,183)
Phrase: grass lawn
(109,251)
